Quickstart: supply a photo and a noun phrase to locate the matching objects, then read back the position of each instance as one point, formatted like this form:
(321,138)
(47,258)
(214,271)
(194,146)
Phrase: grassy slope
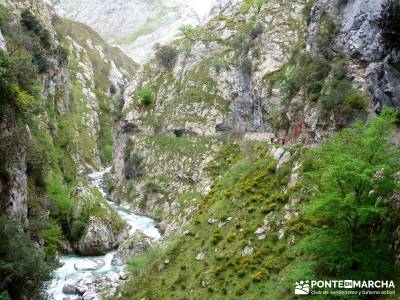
(250,189)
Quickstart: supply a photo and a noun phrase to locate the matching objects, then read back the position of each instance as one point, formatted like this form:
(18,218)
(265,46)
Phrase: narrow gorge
(180,149)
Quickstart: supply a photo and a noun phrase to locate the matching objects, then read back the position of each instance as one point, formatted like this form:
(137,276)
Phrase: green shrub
(26,104)
(59,193)
(308,72)
(355,101)
(146,96)
(241,43)
(339,69)
(109,186)
(23,69)
(31,23)
(326,34)
(40,156)
(41,60)
(344,214)
(77,229)
(51,235)
(23,269)
(45,37)
(133,167)
(187,31)
(256,30)
(18,81)
(167,56)
(337,92)
(255,5)
(105,136)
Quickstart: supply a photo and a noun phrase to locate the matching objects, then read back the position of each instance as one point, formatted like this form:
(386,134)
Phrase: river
(67,271)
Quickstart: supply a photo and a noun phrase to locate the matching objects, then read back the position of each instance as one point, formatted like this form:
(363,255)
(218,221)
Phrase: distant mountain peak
(136,25)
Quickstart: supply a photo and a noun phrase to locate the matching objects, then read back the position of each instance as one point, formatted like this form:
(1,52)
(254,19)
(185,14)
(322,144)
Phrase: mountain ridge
(136,26)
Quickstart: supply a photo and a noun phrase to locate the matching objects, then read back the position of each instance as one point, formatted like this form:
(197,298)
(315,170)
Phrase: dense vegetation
(348,202)
(337,222)
(20,260)
(22,268)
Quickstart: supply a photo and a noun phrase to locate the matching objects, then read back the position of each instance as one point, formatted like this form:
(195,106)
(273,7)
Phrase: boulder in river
(113,277)
(69,287)
(85,284)
(135,245)
(89,264)
(103,229)
(90,295)
(98,238)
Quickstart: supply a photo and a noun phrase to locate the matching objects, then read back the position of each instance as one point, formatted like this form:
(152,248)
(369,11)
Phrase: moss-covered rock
(95,225)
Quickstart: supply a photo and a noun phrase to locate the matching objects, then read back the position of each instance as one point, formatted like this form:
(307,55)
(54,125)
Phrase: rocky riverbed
(87,278)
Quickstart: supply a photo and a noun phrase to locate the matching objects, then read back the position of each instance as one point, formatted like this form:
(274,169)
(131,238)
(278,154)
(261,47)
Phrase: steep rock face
(214,89)
(98,75)
(59,84)
(212,86)
(2,43)
(369,36)
(160,171)
(13,183)
(79,88)
(277,71)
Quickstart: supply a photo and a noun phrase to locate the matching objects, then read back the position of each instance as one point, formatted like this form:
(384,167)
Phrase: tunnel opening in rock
(178,133)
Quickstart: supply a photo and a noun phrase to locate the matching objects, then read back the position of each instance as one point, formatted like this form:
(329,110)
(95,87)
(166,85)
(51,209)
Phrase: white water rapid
(68,273)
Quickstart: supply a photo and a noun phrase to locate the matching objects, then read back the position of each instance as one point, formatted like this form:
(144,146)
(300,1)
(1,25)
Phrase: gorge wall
(60,85)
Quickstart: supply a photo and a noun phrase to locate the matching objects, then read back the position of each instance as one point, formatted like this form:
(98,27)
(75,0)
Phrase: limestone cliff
(60,85)
(80,80)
